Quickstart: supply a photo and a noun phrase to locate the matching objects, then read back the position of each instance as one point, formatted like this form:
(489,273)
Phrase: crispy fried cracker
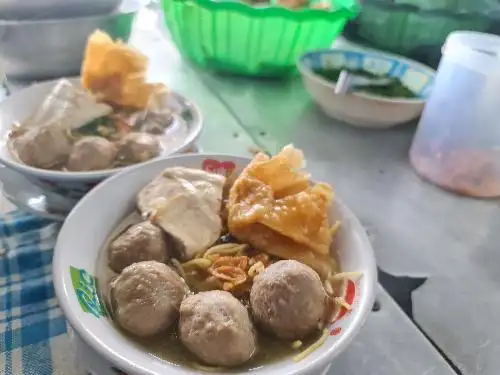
(273,207)
(116,73)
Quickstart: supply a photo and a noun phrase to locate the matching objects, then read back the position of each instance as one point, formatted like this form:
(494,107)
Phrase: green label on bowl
(85,286)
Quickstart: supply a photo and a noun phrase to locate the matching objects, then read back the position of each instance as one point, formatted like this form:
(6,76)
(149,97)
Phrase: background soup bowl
(363,109)
(73,185)
(78,248)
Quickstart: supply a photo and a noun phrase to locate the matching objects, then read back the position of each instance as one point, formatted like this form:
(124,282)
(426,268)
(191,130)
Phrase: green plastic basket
(260,41)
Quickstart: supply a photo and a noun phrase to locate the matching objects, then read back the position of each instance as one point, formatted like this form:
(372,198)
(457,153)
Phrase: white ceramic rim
(63,290)
(306,71)
(193,136)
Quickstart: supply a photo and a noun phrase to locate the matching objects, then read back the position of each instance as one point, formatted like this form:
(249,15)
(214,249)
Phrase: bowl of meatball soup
(61,138)
(207,263)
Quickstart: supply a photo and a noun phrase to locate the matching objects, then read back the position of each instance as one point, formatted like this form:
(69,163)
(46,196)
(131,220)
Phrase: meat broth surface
(167,346)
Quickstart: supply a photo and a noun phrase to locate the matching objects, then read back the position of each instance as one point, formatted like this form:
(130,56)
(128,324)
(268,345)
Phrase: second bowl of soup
(89,141)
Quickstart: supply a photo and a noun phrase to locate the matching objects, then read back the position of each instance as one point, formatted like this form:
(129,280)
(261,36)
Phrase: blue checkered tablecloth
(32,326)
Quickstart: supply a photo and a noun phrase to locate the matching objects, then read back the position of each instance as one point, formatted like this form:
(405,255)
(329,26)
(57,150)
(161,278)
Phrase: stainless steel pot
(41,49)
(36,9)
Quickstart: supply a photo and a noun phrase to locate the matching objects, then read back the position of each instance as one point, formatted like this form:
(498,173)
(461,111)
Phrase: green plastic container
(252,40)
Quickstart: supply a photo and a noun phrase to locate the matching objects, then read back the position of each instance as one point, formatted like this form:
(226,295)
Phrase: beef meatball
(146,298)
(43,147)
(139,147)
(288,300)
(91,154)
(140,242)
(216,327)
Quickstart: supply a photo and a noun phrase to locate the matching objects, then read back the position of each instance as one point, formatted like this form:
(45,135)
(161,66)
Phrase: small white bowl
(362,109)
(93,219)
(71,185)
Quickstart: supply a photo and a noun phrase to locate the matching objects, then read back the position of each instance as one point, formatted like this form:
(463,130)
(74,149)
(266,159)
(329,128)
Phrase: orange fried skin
(116,73)
(283,247)
(273,207)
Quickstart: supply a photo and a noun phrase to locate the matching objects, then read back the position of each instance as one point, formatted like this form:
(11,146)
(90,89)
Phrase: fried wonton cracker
(116,73)
(273,207)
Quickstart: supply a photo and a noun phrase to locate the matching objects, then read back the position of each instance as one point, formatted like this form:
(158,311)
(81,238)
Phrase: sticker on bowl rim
(350,294)
(85,286)
(118,371)
(224,168)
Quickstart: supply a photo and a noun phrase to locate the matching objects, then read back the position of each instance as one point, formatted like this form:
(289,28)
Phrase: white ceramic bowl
(93,219)
(360,109)
(71,185)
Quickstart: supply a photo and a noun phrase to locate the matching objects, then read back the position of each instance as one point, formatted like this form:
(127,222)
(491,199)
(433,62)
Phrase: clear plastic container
(457,143)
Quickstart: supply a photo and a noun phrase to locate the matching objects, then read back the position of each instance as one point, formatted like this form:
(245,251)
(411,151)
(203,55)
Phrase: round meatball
(216,327)
(91,154)
(43,147)
(146,298)
(140,242)
(139,147)
(288,300)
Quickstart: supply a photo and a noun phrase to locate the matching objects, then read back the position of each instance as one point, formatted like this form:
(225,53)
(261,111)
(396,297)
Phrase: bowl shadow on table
(401,288)
(408,126)
(226,73)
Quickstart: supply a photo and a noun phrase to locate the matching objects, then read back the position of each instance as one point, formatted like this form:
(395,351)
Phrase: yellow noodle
(197,263)
(346,275)
(335,228)
(207,368)
(333,313)
(71,136)
(225,249)
(255,269)
(212,282)
(178,267)
(224,245)
(296,344)
(342,302)
(104,131)
(303,354)
(209,283)
(328,287)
